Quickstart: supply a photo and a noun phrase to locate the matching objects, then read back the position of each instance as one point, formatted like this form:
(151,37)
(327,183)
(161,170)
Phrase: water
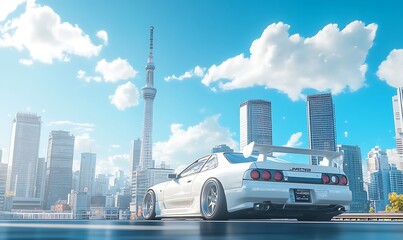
(196,229)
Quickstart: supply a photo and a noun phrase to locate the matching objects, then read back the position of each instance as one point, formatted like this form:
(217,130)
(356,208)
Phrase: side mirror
(172,175)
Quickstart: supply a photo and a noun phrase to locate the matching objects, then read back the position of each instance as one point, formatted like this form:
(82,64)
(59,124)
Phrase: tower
(321,124)
(148,92)
(24,149)
(59,173)
(397,102)
(255,122)
(87,173)
(352,167)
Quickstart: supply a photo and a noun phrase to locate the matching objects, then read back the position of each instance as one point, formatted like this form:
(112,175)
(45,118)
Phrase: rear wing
(329,157)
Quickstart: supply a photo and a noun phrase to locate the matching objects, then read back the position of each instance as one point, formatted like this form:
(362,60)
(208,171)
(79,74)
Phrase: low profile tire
(148,210)
(212,201)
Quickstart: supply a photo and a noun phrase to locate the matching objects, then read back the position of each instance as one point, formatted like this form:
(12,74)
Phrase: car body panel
(180,197)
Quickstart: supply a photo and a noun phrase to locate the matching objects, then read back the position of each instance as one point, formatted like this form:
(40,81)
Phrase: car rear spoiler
(329,157)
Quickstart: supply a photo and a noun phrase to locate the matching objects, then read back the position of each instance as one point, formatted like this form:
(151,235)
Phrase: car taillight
(335,179)
(278,176)
(266,175)
(325,179)
(343,180)
(254,174)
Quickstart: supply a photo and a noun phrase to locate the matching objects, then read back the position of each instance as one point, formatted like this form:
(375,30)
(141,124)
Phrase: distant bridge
(369,217)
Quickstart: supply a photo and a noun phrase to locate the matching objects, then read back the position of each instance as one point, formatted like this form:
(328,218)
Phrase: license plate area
(302,195)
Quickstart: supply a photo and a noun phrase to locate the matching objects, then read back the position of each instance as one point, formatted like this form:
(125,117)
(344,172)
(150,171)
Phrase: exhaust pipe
(261,206)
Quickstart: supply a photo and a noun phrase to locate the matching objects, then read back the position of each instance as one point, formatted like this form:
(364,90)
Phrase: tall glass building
(352,167)
(3,179)
(255,122)
(59,173)
(397,102)
(24,148)
(87,173)
(321,124)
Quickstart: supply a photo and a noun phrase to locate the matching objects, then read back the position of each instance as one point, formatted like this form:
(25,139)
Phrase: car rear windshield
(239,158)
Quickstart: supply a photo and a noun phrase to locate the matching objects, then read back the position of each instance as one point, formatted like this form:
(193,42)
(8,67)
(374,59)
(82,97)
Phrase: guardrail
(369,217)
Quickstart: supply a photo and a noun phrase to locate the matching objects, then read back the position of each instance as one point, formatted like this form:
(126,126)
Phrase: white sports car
(236,185)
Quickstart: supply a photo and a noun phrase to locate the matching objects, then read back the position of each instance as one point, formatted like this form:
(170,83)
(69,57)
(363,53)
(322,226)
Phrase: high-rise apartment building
(87,173)
(321,124)
(1,155)
(397,103)
(23,156)
(255,122)
(352,167)
(377,160)
(59,167)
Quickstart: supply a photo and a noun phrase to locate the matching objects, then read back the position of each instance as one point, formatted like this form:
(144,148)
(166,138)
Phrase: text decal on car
(300,169)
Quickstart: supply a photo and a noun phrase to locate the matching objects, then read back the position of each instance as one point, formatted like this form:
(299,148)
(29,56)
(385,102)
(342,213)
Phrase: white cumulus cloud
(196,72)
(118,69)
(27,62)
(332,60)
(187,144)
(103,35)
(81,74)
(76,126)
(114,163)
(84,143)
(391,69)
(126,95)
(40,31)
(294,141)
(8,6)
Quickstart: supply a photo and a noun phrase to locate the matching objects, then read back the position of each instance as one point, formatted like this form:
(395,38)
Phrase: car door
(177,193)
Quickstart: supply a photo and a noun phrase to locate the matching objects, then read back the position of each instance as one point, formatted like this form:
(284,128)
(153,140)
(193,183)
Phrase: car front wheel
(149,205)
(212,203)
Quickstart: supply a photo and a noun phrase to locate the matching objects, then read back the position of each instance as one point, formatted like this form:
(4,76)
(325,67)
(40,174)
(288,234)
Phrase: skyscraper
(135,154)
(59,167)
(40,178)
(3,179)
(148,92)
(397,102)
(87,173)
(352,166)
(396,180)
(321,124)
(255,122)
(1,155)
(24,148)
(377,160)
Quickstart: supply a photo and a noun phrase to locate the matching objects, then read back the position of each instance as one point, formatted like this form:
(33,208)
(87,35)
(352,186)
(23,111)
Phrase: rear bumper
(324,199)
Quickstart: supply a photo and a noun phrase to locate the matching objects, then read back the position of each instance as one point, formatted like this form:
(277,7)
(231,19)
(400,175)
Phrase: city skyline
(206,68)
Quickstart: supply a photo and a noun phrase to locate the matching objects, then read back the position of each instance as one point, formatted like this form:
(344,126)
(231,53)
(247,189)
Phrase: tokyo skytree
(148,92)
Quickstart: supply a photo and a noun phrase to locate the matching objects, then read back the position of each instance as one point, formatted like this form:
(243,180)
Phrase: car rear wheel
(149,205)
(212,201)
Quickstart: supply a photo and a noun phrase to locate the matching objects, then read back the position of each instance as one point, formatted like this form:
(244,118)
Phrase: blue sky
(80,65)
